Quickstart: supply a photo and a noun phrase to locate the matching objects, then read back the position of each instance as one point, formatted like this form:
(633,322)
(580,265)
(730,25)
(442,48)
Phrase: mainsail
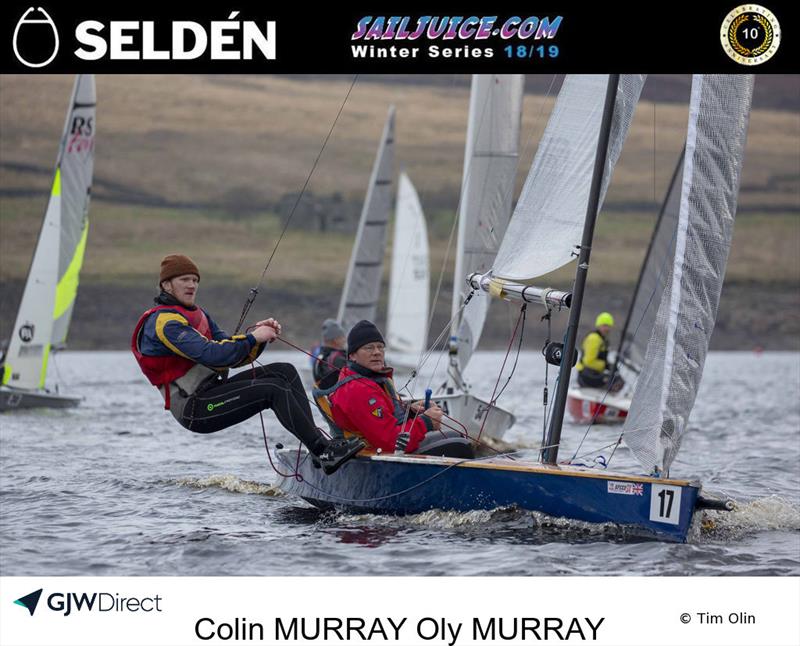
(409,284)
(77,165)
(548,221)
(47,300)
(363,283)
(652,278)
(666,390)
(490,165)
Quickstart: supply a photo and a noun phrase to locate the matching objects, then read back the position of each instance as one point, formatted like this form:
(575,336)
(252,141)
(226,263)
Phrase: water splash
(230,483)
(436,518)
(770,513)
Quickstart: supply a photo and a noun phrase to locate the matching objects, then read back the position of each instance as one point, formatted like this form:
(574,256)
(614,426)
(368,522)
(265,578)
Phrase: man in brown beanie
(185,354)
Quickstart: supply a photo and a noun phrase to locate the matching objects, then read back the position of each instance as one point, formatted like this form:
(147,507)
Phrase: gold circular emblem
(750,34)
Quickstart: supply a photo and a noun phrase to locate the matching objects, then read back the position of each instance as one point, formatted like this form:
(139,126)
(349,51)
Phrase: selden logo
(69,602)
(35,39)
(750,34)
(30,601)
(133,40)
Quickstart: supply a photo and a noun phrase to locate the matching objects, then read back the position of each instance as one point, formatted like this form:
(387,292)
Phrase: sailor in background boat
(593,368)
(330,357)
(366,403)
(187,356)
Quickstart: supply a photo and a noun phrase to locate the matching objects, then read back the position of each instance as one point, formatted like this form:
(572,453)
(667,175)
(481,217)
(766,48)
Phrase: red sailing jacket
(365,407)
(161,371)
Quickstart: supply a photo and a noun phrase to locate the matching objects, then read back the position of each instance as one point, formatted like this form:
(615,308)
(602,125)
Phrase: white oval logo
(47,20)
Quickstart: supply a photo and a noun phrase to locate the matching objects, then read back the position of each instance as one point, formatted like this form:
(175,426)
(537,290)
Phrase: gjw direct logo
(69,602)
(36,40)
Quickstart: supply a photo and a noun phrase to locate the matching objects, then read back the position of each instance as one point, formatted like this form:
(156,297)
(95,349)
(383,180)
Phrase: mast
(550,451)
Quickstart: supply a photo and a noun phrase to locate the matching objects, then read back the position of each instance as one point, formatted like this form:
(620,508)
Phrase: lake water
(116,487)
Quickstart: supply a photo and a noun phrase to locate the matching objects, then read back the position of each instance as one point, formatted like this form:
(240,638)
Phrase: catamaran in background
(571,173)
(48,299)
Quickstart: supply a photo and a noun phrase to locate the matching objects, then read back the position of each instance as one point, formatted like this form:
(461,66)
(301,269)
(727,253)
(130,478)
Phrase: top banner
(256,37)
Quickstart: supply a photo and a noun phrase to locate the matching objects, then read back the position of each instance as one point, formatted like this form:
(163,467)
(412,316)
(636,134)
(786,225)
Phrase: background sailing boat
(598,405)
(45,311)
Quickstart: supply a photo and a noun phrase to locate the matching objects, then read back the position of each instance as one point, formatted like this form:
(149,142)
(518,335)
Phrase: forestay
(363,283)
(409,284)
(490,166)
(546,227)
(666,390)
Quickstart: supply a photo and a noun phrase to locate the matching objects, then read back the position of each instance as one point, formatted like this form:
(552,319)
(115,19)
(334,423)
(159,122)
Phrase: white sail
(29,347)
(409,284)
(652,278)
(667,387)
(77,164)
(363,283)
(547,224)
(47,300)
(490,165)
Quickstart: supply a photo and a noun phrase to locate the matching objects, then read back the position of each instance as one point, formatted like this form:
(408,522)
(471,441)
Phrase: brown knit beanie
(177,264)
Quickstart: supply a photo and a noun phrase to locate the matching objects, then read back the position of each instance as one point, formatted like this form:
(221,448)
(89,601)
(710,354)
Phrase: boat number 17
(665,504)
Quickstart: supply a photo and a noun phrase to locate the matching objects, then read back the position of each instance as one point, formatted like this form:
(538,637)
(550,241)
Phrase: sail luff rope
(254,291)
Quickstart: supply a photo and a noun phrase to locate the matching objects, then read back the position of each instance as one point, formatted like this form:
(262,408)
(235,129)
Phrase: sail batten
(666,390)
(363,282)
(548,221)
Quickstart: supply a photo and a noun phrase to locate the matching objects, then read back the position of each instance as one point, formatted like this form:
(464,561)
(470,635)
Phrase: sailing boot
(337,452)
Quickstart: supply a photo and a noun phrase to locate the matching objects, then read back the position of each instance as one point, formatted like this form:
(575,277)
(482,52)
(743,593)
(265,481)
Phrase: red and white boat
(597,406)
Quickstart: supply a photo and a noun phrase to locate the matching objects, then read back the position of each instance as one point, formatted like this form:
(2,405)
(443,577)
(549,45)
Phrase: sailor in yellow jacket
(593,368)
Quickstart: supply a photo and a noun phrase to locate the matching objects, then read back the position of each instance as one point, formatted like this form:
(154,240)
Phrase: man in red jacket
(366,403)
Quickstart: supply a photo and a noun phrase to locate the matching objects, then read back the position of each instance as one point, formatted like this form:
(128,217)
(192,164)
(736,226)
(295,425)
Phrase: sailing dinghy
(491,156)
(599,109)
(598,405)
(45,311)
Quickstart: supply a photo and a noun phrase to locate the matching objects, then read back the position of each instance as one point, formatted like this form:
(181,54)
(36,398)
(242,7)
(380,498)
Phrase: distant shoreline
(751,316)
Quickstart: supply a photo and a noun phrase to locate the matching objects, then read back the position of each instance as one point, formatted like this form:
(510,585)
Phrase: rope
(461,431)
(254,291)
(493,399)
(545,392)
(396,493)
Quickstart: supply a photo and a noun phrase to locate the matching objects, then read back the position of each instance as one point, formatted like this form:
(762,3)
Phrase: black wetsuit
(221,401)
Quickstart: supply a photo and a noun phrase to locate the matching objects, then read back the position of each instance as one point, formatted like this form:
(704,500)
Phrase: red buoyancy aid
(161,371)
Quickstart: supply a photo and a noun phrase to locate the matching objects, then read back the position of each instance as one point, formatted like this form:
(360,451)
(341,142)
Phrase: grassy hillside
(200,164)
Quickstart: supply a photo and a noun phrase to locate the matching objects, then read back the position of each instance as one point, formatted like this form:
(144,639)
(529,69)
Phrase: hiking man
(184,354)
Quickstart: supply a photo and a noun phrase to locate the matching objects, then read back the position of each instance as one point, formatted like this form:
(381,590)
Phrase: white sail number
(665,504)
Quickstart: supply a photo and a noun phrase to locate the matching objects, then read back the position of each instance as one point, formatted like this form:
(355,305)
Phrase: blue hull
(400,485)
